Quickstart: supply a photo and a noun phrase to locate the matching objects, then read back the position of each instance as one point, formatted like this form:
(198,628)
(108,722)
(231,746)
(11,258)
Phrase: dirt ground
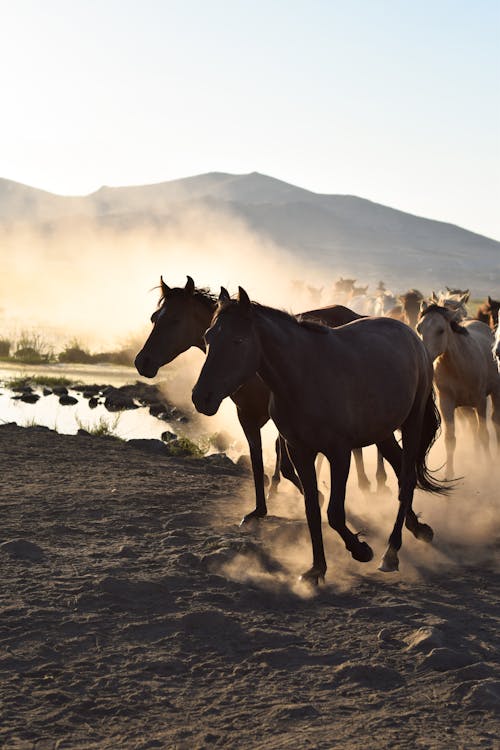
(136,613)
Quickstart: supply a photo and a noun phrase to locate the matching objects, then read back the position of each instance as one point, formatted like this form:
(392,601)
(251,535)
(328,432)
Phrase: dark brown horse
(183,316)
(409,308)
(332,390)
(488,312)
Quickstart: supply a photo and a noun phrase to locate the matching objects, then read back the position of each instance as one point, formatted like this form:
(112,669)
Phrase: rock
(374,676)
(66,400)
(425,639)
(444,659)
(22,549)
(167,436)
(47,391)
(152,446)
(157,408)
(93,401)
(484,694)
(60,390)
(29,398)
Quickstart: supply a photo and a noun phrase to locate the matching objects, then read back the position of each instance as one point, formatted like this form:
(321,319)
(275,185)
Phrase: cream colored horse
(464,371)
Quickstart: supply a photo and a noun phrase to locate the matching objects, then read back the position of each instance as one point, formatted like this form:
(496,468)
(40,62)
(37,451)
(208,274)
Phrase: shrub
(5,345)
(32,349)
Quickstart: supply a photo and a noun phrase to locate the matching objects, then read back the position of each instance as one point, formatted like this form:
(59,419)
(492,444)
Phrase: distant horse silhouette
(332,390)
(183,315)
(488,312)
(464,371)
(408,308)
(454,300)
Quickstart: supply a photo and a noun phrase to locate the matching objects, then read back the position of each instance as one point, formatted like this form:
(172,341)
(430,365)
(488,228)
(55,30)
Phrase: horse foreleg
(363,481)
(482,429)
(447,408)
(303,460)
(275,479)
(252,434)
(495,414)
(381,473)
(287,467)
(339,471)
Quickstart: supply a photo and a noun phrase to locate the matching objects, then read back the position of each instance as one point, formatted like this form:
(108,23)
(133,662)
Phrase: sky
(396,101)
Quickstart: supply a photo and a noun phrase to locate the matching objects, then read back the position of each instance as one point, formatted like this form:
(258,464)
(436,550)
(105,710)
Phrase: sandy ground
(143,616)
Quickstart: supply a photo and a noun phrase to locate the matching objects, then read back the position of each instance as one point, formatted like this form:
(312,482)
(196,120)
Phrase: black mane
(446,313)
(310,324)
(203,294)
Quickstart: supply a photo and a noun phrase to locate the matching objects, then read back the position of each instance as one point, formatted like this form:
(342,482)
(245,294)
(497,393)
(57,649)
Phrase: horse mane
(456,327)
(203,294)
(309,323)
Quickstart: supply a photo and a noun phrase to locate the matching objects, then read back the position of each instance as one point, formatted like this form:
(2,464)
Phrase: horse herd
(334,381)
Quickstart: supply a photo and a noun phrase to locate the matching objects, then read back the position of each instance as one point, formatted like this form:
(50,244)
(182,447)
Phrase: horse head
(233,352)
(182,315)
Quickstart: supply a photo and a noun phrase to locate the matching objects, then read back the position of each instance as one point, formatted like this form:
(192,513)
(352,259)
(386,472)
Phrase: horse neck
(202,317)
(457,354)
(279,357)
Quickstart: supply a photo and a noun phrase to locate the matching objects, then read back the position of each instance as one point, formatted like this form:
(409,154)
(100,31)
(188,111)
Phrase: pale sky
(397,101)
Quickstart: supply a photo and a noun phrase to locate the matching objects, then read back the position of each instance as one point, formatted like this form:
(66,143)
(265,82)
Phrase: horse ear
(164,288)
(224,295)
(489,300)
(189,288)
(243,298)
(464,298)
(423,306)
(434,298)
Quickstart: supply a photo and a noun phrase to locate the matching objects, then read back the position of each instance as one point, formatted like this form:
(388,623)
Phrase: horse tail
(430,432)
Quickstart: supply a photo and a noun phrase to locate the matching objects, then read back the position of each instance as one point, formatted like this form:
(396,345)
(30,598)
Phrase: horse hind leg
(495,414)
(275,479)
(363,481)
(381,474)
(407,484)
(391,451)
(482,428)
(339,471)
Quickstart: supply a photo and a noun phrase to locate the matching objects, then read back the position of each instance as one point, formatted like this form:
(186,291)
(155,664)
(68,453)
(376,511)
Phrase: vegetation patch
(49,381)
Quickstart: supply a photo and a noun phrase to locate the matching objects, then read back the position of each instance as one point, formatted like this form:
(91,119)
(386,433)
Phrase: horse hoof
(425,533)
(313,577)
(390,562)
(362,552)
(252,517)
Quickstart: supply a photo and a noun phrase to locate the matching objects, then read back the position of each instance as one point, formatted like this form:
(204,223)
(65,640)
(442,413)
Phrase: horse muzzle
(145,366)
(206,402)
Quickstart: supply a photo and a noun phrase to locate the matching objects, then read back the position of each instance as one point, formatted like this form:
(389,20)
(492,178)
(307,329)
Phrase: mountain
(342,233)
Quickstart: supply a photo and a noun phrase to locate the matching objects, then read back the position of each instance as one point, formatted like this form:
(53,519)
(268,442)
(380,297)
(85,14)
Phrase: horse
(487,312)
(408,308)
(454,300)
(464,371)
(332,390)
(181,319)
(496,347)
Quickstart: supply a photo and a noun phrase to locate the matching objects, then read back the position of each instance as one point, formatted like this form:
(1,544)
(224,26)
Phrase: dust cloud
(466,526)
(91,279)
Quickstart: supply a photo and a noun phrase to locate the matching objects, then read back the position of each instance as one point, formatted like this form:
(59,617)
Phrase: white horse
(464,371)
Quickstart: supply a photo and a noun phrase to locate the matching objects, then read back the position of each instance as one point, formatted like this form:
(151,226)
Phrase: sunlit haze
(389,100)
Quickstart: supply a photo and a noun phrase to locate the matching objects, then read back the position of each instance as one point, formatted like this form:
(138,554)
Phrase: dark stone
(151,446)
(60,390)
(22,549)
(66,400)
(29,398)
(167,436)
(47,391)
(93,402)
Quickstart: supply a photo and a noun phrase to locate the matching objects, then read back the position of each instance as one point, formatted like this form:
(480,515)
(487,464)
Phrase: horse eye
(440,331)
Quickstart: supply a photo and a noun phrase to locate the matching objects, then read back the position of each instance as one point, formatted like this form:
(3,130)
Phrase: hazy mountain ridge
(344,233)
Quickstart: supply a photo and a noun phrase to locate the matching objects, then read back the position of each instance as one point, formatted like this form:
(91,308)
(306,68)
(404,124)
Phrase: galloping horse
(464,371)
(183,316)
(332,390)
(487,312)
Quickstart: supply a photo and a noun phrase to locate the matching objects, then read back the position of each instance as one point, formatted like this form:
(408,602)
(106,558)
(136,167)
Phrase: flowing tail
(430,432)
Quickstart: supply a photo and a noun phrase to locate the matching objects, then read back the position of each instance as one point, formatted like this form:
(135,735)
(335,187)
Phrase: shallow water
(133,423)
